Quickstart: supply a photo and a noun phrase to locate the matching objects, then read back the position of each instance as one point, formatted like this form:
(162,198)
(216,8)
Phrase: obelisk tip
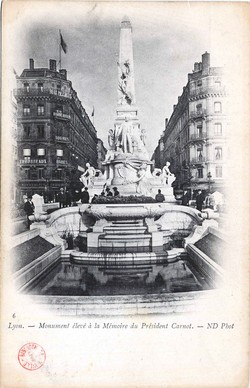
(125,22)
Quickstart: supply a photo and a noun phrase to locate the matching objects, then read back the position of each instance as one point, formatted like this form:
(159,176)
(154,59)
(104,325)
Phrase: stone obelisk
(126,104)
(127,164)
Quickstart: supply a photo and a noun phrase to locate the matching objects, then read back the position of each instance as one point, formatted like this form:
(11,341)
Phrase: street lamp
(209,177)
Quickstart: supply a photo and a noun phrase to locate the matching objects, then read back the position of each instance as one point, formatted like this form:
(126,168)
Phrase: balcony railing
(198,160)
(208,90)
(198,114)
(22,92)
(32,161)
(61,115)
(197,136)
(62,138)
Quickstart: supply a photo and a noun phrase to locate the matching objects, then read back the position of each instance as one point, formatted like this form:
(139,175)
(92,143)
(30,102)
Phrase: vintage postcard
(125,194)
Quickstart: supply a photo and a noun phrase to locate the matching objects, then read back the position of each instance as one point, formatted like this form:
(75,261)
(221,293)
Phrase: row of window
(217,153)
(40,152)
(217,83)
(40,131)
(40,109)
(40,86)
(218,172)
(217,130)
(39,173)
(26,86)
(217,108)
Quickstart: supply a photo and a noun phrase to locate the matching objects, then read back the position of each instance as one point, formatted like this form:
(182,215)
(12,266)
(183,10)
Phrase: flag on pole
(93,112)
(14,71)
(63,44)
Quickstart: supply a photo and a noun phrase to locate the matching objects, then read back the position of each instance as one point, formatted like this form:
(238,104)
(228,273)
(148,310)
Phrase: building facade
(14,148)
(56,137)
(195,137)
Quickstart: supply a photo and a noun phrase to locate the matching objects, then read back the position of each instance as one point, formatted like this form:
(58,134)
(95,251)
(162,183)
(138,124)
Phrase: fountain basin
(116,212)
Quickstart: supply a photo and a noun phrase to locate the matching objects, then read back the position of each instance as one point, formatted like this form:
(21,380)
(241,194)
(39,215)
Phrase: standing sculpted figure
(143,183)
(111,139)
(143,136)
(123,137)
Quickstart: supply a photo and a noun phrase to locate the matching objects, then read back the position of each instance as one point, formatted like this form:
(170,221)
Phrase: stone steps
(127,222)
(125,229)
(126,272)
(125,237)
(127,267)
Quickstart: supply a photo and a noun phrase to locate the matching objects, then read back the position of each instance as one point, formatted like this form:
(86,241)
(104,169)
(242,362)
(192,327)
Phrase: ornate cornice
(206,95)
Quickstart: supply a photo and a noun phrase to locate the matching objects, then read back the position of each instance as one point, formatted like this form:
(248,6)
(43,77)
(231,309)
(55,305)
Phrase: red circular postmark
(31,356)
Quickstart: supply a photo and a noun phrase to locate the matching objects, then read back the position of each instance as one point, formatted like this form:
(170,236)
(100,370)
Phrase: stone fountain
(127,165)
(125,240)
(125,228)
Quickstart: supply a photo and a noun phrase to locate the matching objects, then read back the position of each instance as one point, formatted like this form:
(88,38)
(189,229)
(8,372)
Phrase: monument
(123,227)
(127,165)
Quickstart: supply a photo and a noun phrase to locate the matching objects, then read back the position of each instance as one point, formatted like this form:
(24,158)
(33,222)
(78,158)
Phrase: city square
(101,226)
(124,194)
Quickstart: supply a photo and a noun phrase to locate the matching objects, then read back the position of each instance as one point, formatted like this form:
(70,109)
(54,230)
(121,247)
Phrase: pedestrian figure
(109,192)
(85,196)
(199,200)
(61,198)
(29,209)
(94,198)
(68,198)
(159,197)
(116,192)
(185,198)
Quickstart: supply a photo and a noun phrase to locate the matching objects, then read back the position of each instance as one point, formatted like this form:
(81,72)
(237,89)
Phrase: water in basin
(77,280)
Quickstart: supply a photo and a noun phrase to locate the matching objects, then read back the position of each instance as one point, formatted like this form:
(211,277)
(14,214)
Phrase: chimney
(196,67)
(205,63)
(31,64)
(166,122)
(63,72)
(52,64)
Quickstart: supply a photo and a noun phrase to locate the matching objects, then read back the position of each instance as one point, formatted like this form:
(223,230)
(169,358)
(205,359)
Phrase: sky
(167,39)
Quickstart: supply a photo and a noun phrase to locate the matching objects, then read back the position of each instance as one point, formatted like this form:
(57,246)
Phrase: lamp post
(209,177)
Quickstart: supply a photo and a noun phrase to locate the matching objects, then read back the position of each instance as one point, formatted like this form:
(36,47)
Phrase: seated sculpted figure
(167,177)
(88,176)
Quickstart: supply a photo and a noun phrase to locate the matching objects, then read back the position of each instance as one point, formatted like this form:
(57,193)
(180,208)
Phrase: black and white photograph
(125,198)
